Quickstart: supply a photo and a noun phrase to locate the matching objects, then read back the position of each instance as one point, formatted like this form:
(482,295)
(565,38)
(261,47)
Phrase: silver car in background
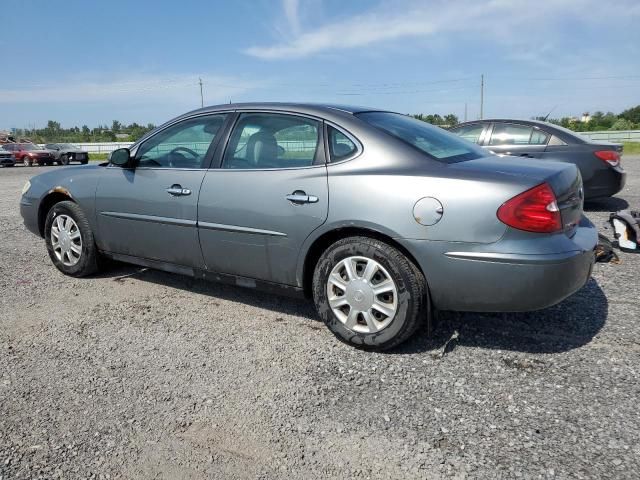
(377,217)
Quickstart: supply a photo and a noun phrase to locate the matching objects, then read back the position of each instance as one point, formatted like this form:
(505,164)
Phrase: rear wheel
(26,162)
(369,294)
(70,241)
(64,159)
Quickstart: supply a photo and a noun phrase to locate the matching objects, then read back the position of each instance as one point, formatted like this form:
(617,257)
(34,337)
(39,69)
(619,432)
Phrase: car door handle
(177,190)
(301,197)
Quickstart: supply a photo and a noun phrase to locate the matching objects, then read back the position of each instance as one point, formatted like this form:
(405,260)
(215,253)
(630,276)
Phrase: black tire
(88,262)
(64,159)
(413,303)
(84,162)
(26,162)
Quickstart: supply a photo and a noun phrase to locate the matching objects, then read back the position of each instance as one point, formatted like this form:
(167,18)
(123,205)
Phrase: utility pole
(481,95)
(201,97)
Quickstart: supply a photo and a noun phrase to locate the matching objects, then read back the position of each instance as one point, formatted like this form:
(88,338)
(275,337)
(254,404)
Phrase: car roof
(318,108)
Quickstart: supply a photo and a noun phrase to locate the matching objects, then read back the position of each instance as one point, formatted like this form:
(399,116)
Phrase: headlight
(26,187)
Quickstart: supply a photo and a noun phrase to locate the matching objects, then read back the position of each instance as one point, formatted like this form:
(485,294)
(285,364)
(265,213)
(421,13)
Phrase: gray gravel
(141,374)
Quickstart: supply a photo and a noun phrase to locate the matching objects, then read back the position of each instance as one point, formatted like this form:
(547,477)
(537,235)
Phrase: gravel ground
(141,374)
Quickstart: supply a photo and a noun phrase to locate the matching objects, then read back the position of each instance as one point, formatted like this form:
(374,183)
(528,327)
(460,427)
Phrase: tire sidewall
(87,262)
(407,306)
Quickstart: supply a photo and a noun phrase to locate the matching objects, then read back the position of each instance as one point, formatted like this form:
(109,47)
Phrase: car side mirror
(121,157)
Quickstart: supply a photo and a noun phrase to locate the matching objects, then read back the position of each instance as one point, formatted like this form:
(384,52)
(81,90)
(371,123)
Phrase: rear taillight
(610,157)
(535,210)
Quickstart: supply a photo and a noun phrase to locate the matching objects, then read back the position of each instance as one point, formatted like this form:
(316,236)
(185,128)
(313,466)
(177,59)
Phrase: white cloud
(139,88)
(404,19)
(291,9)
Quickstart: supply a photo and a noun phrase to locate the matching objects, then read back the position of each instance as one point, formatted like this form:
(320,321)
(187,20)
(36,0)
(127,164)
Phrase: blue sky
(82,62)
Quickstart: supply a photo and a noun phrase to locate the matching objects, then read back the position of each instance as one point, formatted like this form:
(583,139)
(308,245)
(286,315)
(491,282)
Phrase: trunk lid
(563,178)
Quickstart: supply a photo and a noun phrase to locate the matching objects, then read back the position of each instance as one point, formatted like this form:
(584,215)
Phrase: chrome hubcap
(66,240)
(362,294)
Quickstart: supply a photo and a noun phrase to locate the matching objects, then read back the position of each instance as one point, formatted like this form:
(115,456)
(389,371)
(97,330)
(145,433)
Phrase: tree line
(54,133)
(627,120)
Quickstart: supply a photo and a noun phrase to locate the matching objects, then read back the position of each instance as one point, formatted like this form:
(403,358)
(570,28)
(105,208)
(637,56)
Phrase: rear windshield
(434,141)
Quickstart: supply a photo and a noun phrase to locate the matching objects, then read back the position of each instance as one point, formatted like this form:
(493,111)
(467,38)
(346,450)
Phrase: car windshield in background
(435,142)
(69,146)
(28,146)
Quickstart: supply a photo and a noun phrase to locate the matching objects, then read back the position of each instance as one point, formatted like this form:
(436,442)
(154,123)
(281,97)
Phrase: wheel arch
(326,239)
(55,195)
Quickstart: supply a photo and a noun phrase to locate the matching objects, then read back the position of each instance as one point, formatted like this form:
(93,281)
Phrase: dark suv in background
(599,162)
(65,153)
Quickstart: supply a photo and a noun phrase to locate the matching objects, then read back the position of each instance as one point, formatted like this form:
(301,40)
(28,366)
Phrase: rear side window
(340,146)
(271,140)
(556,141)
(469,132)
(510,134)
(433,141)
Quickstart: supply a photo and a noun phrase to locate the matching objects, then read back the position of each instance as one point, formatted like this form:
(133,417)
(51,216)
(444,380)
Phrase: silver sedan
(377,217)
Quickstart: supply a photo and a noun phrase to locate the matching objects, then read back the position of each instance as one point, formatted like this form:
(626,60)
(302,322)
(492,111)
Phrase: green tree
(631,114)
(622,124)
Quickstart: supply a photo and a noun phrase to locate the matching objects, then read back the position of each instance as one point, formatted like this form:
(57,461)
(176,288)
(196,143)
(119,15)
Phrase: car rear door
(267,194)
(150,211)
(518,140)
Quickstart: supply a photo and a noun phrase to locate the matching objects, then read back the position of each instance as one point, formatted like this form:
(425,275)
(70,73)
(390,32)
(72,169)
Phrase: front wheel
(70,241)
(26,162)
(369,294)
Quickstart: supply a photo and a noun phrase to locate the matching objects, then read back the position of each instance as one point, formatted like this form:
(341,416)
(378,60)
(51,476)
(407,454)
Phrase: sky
(80,62)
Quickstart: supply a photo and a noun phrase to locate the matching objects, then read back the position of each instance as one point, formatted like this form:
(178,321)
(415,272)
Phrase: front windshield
(28,146)
(434,141)
(69,146)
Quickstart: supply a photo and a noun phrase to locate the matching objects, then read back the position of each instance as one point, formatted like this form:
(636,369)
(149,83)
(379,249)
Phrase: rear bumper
(477,281)
(605,183)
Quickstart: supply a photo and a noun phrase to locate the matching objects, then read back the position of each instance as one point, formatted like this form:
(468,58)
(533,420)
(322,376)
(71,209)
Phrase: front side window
(435,142)
(183,145)
(340,146)
(269,140)
(469,132)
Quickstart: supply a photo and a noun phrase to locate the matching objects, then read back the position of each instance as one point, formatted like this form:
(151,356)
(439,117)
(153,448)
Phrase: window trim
(349,135)
(320,159)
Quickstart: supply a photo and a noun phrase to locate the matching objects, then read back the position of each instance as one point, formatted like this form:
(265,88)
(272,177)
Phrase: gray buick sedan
(379,218)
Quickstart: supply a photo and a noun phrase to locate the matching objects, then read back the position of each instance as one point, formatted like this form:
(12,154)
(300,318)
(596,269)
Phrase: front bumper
(493,281)
(29,214)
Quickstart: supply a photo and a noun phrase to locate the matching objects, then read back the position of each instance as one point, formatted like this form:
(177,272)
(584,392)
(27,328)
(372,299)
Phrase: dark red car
(28,154)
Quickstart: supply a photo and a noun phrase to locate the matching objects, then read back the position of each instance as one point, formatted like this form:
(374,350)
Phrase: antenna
(550,112)
(201,97)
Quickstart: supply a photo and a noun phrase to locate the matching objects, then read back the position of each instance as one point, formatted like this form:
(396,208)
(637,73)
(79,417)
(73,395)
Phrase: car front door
(517,140)
(265,198)
(150,211)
